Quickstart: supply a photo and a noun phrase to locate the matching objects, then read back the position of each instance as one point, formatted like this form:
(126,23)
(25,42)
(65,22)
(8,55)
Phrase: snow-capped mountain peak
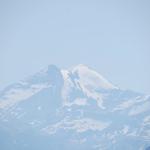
(87,81)
(74,109)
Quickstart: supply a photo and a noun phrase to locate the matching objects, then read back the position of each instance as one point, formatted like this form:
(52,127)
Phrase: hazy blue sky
(111,36)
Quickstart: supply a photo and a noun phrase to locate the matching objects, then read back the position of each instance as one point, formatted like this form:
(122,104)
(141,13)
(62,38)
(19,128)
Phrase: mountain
(75,109)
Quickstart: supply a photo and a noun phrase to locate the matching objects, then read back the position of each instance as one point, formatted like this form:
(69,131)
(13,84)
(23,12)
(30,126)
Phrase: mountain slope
(72,109)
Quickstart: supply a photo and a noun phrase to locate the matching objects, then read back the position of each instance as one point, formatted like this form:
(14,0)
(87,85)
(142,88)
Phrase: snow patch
(139,109)
(16,95)
(79,125)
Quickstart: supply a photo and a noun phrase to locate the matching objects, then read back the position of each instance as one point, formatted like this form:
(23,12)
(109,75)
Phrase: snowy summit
(73,109)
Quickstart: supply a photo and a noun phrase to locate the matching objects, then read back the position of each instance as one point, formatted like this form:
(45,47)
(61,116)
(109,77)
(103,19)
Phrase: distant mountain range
(75,109)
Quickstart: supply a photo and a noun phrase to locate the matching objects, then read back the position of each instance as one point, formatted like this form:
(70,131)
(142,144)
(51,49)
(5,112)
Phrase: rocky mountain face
(75,109)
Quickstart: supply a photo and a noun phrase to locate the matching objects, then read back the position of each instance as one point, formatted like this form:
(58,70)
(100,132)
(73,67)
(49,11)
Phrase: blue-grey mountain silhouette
(75,109)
